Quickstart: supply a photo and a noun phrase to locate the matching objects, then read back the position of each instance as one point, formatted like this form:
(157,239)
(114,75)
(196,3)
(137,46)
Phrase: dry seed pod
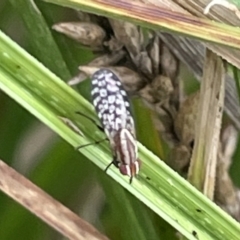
(158,91)
(179,158)
(113,45)
(87,17)
(184,123)
(170,111)
(88,34)
(84,17)
(226,195)
(229,143)
(169,64)
(154,54)
(143,62)
(131,80)
(129,35)
(101,61)
(95,19)
(80,77)
(163,87)
(164,124)
(147,94)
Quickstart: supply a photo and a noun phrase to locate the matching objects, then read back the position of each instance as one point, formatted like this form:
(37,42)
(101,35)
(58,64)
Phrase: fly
(113,109)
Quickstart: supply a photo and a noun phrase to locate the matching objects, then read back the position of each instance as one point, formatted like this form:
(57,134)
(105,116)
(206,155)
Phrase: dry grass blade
(154,18)
(204,159)
(191,53)
(217,13)
(45,207)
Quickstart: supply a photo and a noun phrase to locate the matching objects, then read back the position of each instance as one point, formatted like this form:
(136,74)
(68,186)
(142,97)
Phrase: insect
(113,109)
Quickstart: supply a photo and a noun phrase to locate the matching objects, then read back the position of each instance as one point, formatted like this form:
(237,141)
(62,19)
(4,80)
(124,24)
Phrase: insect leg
(92,120)
(113,162)
(116,163)
(99,127)
(89,144)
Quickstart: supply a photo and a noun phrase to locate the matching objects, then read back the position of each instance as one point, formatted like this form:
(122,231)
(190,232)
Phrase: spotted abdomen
(111,102)
(112,106)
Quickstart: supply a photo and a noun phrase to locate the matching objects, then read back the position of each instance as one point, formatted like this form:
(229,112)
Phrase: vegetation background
(42,156)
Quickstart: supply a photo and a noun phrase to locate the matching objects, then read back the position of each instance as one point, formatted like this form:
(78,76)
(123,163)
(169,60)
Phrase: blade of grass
(44,206)
(237,80)
(137,220)
(43,94)
(156,18)
(52,175)
(42,42)
(208,124)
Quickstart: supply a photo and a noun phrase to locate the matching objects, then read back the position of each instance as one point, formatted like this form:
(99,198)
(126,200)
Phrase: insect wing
(112,106)
(111,102)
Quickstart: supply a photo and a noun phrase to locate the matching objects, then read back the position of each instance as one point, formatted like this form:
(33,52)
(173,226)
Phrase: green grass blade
(42,42)
(47,97)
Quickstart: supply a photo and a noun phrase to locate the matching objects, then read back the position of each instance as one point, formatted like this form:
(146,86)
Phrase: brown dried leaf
(45,207)
(208,123)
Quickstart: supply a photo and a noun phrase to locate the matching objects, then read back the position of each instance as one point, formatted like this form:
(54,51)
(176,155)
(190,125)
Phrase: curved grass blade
(43,94)
(156,18)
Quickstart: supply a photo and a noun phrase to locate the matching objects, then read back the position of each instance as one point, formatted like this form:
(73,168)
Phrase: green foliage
(66,174)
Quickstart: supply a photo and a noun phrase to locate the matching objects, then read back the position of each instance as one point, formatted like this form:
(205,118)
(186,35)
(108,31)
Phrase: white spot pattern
(103,92)
(111,99)
(112,106)
(94,81)
(111,102)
